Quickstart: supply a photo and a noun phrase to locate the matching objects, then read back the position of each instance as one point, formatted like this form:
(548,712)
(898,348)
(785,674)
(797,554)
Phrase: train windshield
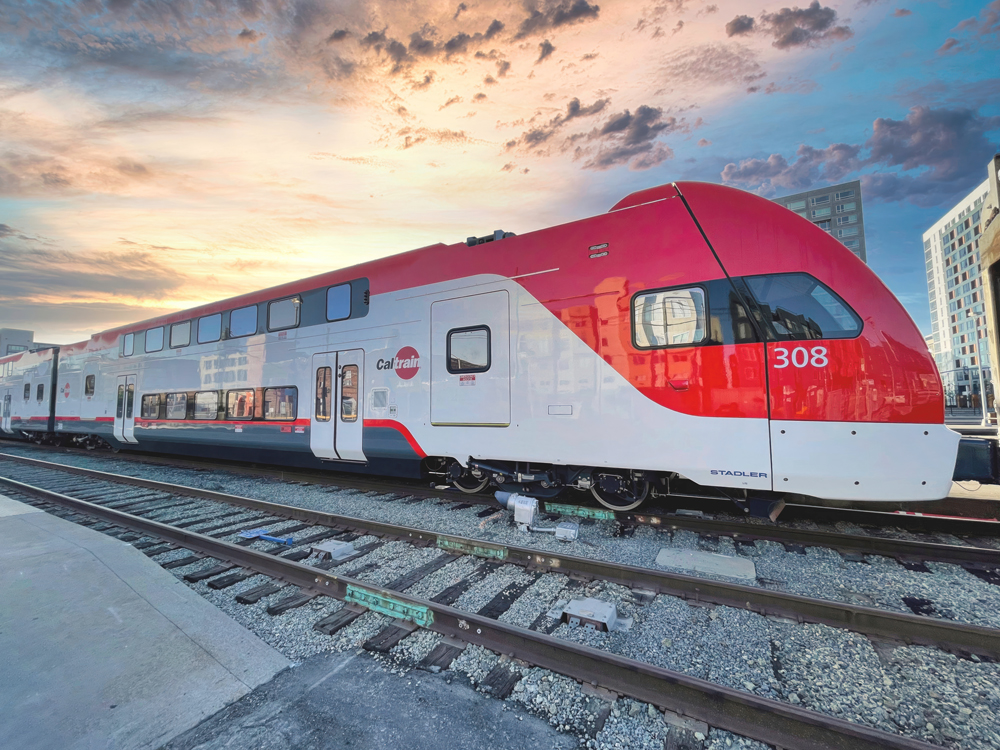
(796,307)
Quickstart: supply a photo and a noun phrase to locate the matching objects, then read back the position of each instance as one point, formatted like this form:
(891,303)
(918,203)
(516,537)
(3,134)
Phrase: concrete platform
(102,648)
(350,702)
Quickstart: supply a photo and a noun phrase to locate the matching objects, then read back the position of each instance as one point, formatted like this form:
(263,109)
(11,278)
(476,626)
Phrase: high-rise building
(836,210)
(14,340)
(955,289)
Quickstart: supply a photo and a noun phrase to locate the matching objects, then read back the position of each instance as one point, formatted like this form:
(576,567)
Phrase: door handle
(679,385)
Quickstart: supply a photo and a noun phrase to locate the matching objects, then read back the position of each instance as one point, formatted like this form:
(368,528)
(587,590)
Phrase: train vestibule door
(337,426)
(5,411)
(470,361)
(125,409)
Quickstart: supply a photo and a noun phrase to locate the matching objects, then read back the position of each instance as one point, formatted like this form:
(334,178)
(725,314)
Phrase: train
(694,336)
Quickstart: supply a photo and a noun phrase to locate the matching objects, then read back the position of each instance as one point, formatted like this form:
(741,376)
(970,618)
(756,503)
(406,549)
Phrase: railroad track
(203,520)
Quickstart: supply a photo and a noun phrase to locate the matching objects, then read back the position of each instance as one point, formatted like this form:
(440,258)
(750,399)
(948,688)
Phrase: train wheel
(472,481)
(620,492)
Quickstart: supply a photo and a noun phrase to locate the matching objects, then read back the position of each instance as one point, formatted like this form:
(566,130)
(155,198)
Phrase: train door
(337,389)
(5,411)
(470,361)
(125,409)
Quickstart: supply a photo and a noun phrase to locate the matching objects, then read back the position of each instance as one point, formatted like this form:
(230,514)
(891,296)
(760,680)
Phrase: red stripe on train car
(401,429)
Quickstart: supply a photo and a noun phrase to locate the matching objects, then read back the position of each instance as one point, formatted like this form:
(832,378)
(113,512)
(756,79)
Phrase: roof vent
(499,234)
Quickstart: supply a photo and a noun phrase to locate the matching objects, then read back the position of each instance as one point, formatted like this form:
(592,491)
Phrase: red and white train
(694,332)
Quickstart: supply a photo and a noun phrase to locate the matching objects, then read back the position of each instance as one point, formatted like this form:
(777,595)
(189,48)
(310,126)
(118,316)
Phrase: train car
(27,393)
(693,333)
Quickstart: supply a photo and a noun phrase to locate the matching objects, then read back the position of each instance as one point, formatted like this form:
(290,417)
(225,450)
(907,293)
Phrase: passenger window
(239,405)
(128,343)
(120,411)
(180,334)
(243,322)
(206,405)
(90,383)
(129,400)
(154,340)
(324,393)
(797,307)
(280,403)
(210,328)
(283,313)
(40,392)
(349,393)
(469,349)
(673,317)
(176,406)
(338,302)
(27,391)
(150,408)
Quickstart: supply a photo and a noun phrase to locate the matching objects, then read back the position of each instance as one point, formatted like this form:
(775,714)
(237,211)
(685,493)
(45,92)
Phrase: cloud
(902,12)
(546,48)
(716,64)
(458,11)
(6,230)
(938,152)
(950,47)
(541,134)
(338,36)
(508,167)
(628,137)
(704,142)
(426,81)
(555,15)
(793,27)
(249,36)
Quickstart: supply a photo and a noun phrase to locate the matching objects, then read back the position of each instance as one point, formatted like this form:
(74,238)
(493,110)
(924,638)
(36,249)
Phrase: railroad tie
(451,594)
(339,619)
(442,655)
(291,602)
(223,582)
(180,562)
(503,600)
(408,579)
(215,570)
(254,595)
(384,641)
(500,681)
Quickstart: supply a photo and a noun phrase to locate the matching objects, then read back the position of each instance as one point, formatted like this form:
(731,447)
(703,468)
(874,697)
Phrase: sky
(160,154)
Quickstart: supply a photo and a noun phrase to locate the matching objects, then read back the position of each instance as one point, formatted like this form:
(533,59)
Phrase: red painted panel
(885,375)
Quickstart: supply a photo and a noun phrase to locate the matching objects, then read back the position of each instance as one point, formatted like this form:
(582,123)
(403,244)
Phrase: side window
(120,410)
(176,406)
(324,393)
(150,406)
(210,328)
(283,313)
(154,340)
(41,392)
(206,405)
(797,307)
(129,400)
(672,317)
(239,405)
(243,322)
(349,393)
(280,403)
(338,302)
(128,343)
(90,385)
(27,391)
(469,349)
(180,334)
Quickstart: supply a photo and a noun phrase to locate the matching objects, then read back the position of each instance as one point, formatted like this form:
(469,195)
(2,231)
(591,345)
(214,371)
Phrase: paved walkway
(103,648)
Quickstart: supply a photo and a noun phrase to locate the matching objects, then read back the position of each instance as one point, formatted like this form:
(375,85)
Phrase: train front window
(672,317)
(797,307)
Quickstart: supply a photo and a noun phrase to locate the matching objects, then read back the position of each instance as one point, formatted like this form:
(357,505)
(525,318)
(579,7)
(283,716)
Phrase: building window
(15,348)
(150,407)
(180,334)
(849,219)
(468,350)
(795,205)
(154,340)
(89,385)
(243,322)
(820,200)
(659,318)
(210,328)
(206,405)
(239,405)
(845,194)
(849,232)
(280,403)
(338,302)
(283,314)
(128,342)
(824,225)
(820,213)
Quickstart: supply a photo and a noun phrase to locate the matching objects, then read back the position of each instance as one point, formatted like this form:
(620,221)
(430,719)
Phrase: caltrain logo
(405,363)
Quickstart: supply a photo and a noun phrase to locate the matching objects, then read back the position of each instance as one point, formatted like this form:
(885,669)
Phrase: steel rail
(734,710)
(950,636)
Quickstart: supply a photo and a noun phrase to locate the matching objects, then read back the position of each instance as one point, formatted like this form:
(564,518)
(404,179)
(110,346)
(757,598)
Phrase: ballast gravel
(920,692)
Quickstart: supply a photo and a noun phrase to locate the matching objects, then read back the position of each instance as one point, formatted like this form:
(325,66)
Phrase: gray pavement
(102,648)
(349,701)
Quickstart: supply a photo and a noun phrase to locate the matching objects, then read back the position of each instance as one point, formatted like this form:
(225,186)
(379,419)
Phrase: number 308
(801,357)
